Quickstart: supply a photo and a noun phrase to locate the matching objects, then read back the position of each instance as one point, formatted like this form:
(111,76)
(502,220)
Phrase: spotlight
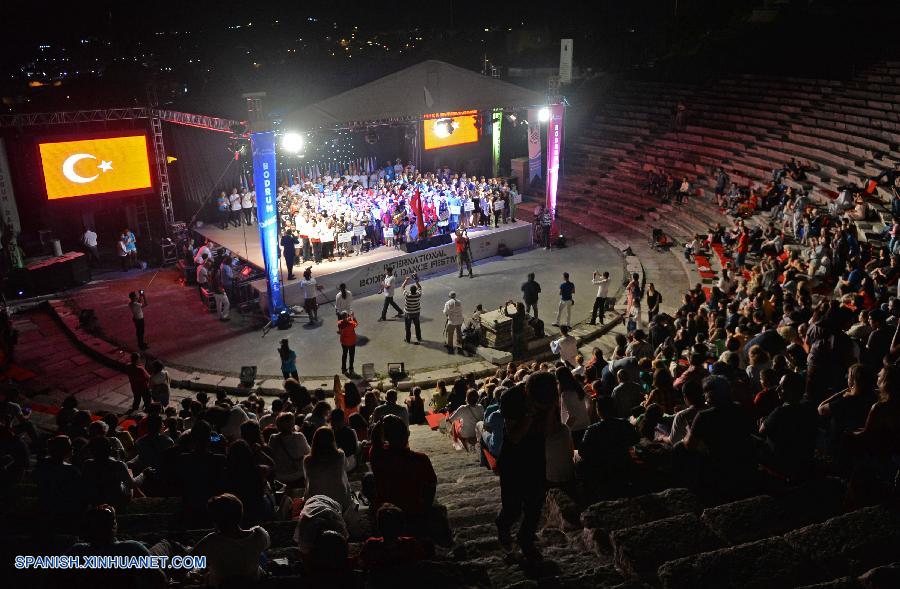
(292,142)
(512,118)
(544,115)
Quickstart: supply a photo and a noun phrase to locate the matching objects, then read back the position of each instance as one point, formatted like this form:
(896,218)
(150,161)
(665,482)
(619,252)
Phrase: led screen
(95,166)
(454,128)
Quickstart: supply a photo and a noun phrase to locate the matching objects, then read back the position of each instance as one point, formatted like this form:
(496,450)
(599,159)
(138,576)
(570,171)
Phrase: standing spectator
(139,379)
(530,291)
(226,276)
(222,208)
(572,405)
(463,252)
(131,247)
(247,204)
(387,287)
(654,300)
(203,273)
(413,305)
(599,309)
(311,290)
(344,437)
(289,243)
(343,300)
(234,200)
(288,361)
(136,303)
(59,482)
(545,218)
(633,295)
(89,241)
(159,383)
(743,246)
(122,251)
(233,553)
(347,331)
(453,311)
(566,301)
(220,295)
(526,411)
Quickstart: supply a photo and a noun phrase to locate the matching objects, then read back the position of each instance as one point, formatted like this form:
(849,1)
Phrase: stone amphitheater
(791,537)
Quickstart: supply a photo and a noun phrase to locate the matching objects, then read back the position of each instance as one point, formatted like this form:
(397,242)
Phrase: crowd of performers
(331,215)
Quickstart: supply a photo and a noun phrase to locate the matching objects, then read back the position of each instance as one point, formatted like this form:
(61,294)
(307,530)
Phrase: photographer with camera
(136,303)
(413,304)
(346,329)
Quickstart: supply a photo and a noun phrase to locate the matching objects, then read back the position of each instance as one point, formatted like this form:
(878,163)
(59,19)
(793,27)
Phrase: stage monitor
(98,166)
(450,128)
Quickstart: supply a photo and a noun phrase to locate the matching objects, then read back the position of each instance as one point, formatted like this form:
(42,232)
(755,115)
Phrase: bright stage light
(444,128)
(544,115)
(292,142)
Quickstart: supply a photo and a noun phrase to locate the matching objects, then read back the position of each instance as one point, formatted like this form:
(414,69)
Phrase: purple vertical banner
(265,180)
(554,155)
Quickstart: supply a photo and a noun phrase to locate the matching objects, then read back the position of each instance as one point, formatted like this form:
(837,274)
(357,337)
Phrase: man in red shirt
(463,253)
(401,476)
(140,382)
(347,330)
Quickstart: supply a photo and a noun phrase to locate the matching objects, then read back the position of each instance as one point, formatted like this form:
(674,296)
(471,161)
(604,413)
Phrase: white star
(105,166)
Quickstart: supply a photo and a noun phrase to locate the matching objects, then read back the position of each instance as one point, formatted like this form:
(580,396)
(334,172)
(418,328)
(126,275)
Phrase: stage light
(544,115)
(444,128)
(292,142)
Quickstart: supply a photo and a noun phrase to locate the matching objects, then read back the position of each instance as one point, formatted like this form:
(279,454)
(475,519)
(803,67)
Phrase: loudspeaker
(434,241)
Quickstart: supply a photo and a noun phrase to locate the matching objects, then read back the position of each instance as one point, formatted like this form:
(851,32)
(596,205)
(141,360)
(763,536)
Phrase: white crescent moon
(68,168)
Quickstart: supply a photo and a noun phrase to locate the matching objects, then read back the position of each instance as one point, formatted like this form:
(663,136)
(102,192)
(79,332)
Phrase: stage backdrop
(366,279)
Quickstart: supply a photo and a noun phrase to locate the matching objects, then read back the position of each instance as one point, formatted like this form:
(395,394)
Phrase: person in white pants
(223,305)
(566,300)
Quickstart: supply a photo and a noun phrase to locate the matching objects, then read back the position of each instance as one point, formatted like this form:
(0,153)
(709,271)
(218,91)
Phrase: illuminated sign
(95,166)
(267,214)
(450,128)
(554,153)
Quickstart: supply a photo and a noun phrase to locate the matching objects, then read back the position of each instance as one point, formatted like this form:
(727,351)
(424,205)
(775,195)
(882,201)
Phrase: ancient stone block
(639,550)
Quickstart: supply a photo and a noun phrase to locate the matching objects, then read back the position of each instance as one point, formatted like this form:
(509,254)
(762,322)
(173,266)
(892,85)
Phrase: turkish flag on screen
(95,166)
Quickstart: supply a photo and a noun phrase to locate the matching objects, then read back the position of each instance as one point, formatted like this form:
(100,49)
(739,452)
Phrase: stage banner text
(263,145)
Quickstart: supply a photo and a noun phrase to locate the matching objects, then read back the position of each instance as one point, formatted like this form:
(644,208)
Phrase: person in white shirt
(288,448)
(310,291)
(343,300)
(566,346)
(247,206)
(232,552)
(235,199)
(203,273)
(89,240)
(468,415)
(453,311)
(599,309)
(727,284)
(387,288)
(203,249)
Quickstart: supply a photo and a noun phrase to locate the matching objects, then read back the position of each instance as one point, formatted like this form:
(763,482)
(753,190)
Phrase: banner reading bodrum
(554,155)
(263,145)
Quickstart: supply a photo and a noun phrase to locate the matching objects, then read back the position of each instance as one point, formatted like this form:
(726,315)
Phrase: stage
(362,273)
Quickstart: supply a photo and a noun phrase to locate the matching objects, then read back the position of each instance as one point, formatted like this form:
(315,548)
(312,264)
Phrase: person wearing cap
(453,311)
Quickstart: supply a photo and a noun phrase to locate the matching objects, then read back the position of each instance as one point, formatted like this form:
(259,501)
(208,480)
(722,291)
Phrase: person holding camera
(136,303)
(347,331)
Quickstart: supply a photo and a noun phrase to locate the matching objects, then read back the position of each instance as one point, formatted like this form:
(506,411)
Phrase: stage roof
(409,94)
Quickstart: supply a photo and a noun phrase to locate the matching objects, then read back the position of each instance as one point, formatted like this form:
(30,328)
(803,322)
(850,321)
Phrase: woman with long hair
(573,404)
(248,481)
(288,361)
(324,469)
(662,391)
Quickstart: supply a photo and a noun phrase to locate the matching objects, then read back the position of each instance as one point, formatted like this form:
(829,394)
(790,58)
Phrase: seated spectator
(573,404)
(324,469)
(288,447)
(248,480)
(847,410)
(151,446)
(879,438)
(790,431)
(200,473)
(328,565)
(681,423)
(390,407)
(439,397)
(59,485)
(232,552)
(467,416)
(345,438)
(316,419)
(236,418)
(604,454)
(392,547)
(319,514)
(99,539)
(767,399)
(627,395)
(105,479)
(399,475)
(415,405)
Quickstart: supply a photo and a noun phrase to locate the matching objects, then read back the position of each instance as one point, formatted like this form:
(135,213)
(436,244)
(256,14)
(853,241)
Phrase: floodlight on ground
(544,115)
(292,142)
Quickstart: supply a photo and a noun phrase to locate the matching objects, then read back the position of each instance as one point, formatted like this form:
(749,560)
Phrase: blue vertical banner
(264,178)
